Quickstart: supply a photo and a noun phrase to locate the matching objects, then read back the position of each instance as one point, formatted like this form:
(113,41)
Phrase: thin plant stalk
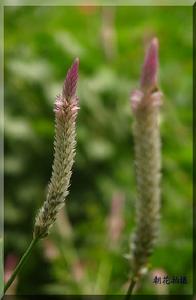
(21,263)
(130,289)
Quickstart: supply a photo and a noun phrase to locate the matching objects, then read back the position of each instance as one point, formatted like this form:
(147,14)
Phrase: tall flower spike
(66,109)
(145,104)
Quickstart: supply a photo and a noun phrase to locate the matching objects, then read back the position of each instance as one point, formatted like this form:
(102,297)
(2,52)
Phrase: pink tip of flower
(70,84)
(150,67)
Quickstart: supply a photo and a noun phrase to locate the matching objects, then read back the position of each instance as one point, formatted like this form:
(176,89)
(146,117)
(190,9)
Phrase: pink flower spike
(150,67)
(70,83)
(66,110)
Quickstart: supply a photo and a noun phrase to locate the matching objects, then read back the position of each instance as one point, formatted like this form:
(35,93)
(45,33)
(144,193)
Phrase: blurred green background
(85,253)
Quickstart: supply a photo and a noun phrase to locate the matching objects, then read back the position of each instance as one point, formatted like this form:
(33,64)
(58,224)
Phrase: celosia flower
(145,104)
(66,109)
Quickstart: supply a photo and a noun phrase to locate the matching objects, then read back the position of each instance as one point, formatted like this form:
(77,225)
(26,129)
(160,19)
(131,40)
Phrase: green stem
(130,289)
(21,263)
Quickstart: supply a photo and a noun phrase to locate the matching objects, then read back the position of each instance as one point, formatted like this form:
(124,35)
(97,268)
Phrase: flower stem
(21,263)
(130,289)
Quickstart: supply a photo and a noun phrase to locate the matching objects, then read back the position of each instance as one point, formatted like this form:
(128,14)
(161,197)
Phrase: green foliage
(40,44)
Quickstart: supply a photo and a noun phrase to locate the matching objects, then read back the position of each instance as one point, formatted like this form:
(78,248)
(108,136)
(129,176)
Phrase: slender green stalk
(21,263)
(130,289)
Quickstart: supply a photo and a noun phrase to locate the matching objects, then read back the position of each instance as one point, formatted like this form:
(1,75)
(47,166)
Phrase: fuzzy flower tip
(70,84)
(68,96)
(150,67)
(66,108)
(149,94)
